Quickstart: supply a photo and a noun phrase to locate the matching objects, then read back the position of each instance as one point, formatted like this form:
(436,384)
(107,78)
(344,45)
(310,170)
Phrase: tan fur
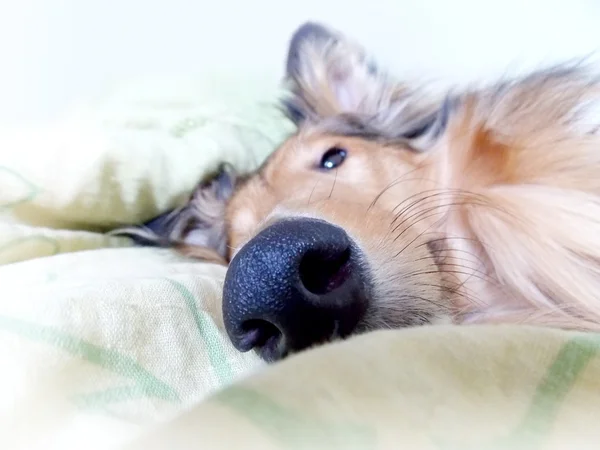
(491,213)
(511,189)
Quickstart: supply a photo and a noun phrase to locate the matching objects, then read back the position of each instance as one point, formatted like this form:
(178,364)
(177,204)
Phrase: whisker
(462,238)
(311,193)
(457,272)
(455,202)
(436,192)
(454,250)
(453,291)
(466,198)
(333,186)
(426,300)
(392,184)
(441,263)
(411,242)
(475,271)
(420,219)
(424,215)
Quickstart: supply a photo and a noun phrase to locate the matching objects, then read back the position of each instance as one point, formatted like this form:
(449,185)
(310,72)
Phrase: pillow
(102,342)
(126,158)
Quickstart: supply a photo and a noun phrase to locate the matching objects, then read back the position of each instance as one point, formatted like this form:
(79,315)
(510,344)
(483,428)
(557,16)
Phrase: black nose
(297,283)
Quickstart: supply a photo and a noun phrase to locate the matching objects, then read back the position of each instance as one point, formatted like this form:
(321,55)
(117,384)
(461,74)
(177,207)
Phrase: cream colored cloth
(434,388)
(116,338)
(104,346)
(124,159)
(94,333)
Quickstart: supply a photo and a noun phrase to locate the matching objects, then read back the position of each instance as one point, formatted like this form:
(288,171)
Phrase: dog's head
(333,234)
(357,221)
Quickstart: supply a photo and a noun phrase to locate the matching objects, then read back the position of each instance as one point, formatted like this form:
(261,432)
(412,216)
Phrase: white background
(55,52)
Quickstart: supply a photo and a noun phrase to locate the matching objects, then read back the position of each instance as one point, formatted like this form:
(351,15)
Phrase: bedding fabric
(105,345)
(91,327)
(438,388)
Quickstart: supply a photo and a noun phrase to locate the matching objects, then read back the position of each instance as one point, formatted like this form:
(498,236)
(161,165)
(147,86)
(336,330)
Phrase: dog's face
(335,233)
(320,244)
(380,210)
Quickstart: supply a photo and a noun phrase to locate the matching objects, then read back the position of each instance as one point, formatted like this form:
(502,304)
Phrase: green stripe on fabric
(210,335)
(107,359)
(540,417)
(559,380)
(101,399)
(291,429)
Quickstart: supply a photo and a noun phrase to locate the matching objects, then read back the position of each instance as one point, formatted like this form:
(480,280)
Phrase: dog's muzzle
(298,283)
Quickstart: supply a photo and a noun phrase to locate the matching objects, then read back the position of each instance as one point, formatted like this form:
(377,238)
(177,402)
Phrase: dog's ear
(197,228)
(326,73)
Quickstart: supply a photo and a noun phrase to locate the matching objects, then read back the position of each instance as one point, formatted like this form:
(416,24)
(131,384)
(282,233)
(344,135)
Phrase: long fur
(479,206)
(197,228)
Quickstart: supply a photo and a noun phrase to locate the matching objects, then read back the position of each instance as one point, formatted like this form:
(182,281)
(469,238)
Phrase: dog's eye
(333,158)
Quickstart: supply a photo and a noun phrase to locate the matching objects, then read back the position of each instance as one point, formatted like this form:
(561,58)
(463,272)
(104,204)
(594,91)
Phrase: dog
(390,207)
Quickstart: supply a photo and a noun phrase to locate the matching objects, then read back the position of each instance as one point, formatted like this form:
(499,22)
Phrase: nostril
(322,271)
(258,333)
